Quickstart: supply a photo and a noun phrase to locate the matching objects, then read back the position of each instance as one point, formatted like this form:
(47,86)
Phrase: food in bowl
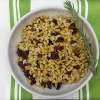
(51,52)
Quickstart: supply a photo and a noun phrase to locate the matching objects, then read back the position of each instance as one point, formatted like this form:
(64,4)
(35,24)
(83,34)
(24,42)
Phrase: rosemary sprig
(79,24)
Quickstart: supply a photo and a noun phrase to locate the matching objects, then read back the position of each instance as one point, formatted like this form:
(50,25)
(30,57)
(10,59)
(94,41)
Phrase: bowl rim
(76,89)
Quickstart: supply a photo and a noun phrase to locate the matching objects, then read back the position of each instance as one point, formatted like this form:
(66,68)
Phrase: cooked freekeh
(51,52)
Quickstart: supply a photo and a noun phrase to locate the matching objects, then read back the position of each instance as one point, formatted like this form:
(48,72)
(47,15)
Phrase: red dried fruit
(40,55)
(23,54)
(73,27)
(33,81)
(50,42)
(55,33)
(77,66)
(74,31)
(48,74)
(26,73)
(43,84)
(40,30)
(49,84)
(60,39)
(54,55)
(77,52)
(72,41)
(69,72)
(54,21)
(21,65)
(37,62)
(58,85)
(48,58)
(56,48)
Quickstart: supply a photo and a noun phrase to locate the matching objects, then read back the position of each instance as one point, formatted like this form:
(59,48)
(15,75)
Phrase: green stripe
(17,20)
(12,88)
(83,7)
(79,94)
(94,19)
(16,10)
(11,25)
(25,8)
(11,13)
(83,14)
(18,92)
(84,93)
(25,95)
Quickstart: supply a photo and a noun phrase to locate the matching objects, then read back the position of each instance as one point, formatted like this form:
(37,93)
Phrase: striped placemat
(90,10)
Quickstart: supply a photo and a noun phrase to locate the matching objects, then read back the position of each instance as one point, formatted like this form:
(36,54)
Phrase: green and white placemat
(11,11)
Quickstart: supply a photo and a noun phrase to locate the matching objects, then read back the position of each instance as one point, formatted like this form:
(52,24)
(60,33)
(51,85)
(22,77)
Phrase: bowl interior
(18,74)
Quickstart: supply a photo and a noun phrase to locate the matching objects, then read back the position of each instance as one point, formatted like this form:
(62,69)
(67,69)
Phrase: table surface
(11,12)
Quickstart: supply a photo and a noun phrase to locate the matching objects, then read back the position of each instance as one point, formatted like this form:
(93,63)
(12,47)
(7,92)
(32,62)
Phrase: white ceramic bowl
(18,74)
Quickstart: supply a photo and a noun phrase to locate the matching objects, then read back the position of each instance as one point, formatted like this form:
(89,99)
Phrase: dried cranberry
(33,81)
(48,57)
(37,62)
(40,30)
(72,41)
(77,52)
(69,72)
(60,39)
(21,65)
(48,74)
(50,42)
(26,73)
(49,84)
(40,55)
(77,66)
(58,85)
(23,54)
(58,48)
(74,31)
(54,21)
(53,84)
(30,77)
(43,84)
(73,27)
(55,33)
(54,55)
